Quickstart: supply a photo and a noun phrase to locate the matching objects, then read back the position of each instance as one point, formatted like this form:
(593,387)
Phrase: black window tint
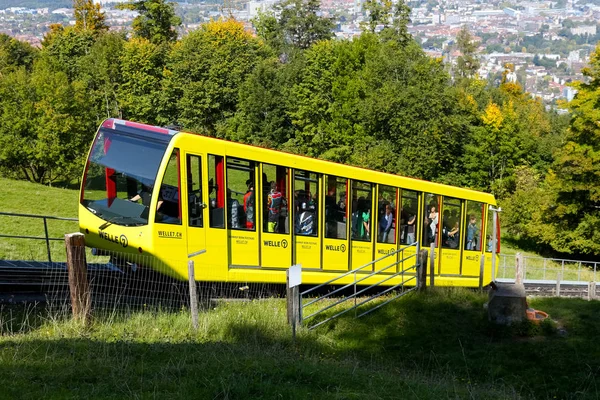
(336,205)
(409,223)
(274,182)
(451,219)
(306,203)
(194,185)
(361,211)
(473,220)
(241,194)
(431,219)
(168,207)
(216,191)
(386,214)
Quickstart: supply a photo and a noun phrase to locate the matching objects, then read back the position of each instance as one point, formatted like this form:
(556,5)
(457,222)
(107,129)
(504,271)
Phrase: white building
(584,29)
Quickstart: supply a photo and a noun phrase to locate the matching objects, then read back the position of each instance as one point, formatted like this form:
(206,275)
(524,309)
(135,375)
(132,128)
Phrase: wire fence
(548,270)
(22,235)
(119,282)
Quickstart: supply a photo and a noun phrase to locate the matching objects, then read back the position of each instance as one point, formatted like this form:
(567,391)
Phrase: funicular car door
(306,214)
(336,243)
(431,235)
(473,238)
(362,232)
(195,206)
(276,236)
(243,212)
(451,236)
(387,227)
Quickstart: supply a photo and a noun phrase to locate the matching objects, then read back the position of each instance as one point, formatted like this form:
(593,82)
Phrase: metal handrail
(355,281)
(47,238)
(355,294)
(416,244)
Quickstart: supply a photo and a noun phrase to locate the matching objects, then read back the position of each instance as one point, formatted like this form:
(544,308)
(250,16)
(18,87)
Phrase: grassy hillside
(436,345)
(30,198)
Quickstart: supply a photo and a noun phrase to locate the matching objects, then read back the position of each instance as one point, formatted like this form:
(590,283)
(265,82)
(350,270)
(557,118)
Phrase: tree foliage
(204,73)
(375,101)
(156,21)
(299,24)
(467,63)
(88,16)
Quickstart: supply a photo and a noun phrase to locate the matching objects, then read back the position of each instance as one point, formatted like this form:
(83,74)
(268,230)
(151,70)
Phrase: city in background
(543,45)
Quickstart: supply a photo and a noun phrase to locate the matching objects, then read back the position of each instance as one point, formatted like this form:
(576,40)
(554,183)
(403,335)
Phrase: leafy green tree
(14,53)
(204,73)
(393,18)
(378,13)
(262,116)
(156,21)
(467,63)
(298,24)
(88,16)
(44,127)
(64,48)
(101,71)
(142,64)
(571,219)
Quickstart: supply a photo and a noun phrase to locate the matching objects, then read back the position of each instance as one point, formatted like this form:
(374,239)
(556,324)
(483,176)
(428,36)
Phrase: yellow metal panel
(308,251)
(405,254)
(243,247)
(450,262)
(381,250)
(276,250)
(362,253)
(470,263)
(335,254)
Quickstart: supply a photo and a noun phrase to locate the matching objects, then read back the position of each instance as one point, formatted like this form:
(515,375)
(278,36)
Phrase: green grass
(29,198)
(435,345)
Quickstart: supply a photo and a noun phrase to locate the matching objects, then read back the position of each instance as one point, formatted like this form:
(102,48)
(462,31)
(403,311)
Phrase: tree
(467,63)
(378,13)
(44,126)
(204,73)
(101,72)
(262,115)
(14,53)
(298,25)
(572,213)
(156,21)
(64,48)
(394,20)
(142,64)
(88,16)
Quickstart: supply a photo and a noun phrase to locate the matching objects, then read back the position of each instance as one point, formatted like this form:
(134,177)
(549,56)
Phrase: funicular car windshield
(123,165)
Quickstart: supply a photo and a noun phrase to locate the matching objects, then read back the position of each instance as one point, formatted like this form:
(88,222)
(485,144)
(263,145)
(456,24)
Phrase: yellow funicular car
(167,195)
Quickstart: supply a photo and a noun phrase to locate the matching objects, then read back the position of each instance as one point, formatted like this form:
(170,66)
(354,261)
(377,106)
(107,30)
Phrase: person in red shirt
(249,204)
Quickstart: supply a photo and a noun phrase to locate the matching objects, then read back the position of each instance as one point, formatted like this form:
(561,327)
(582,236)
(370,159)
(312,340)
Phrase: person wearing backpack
(274,201)
(249,205)
(304,223)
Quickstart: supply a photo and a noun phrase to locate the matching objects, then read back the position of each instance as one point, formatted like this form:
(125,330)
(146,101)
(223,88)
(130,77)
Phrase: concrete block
(507,303)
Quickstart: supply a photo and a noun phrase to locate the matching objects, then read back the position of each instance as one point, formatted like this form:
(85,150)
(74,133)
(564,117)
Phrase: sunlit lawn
(28,198)
(432,345)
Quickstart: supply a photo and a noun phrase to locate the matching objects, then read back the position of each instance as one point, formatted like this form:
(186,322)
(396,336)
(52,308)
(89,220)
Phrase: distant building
(584,30)
(569,93)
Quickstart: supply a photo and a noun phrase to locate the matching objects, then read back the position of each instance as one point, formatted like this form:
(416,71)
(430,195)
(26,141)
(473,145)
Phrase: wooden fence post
(79,287)
(432,265)
(193,294)
(422,270)
(519,269)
